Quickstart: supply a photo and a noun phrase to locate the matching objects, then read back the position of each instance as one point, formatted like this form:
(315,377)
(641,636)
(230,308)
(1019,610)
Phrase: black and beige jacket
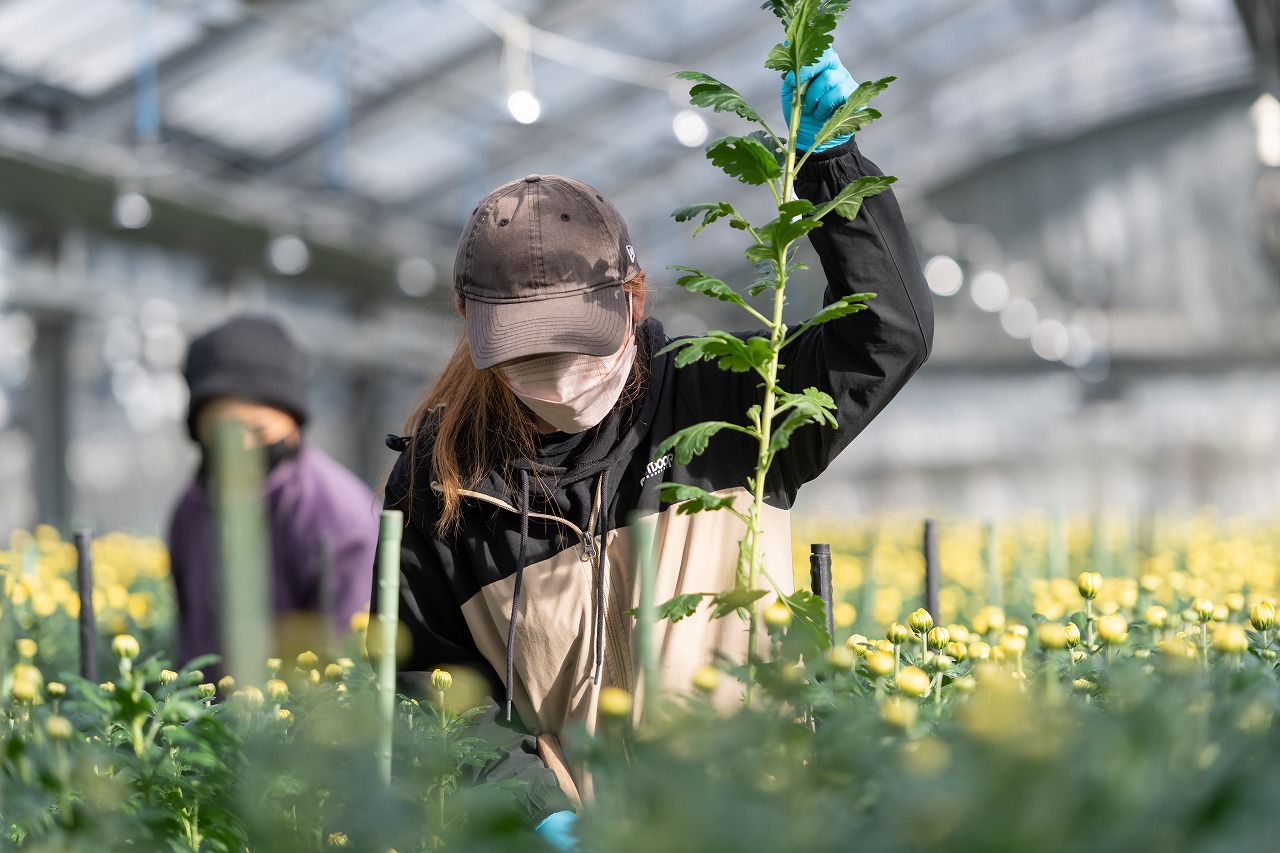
(556,534)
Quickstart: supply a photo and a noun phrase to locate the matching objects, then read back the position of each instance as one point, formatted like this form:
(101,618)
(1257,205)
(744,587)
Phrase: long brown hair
(478,424)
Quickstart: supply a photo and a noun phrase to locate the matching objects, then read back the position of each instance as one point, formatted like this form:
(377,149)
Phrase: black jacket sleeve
(862,360)
(430,611)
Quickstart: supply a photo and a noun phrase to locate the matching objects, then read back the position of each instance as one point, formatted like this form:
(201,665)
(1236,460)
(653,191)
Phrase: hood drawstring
(515,593)
(602,523)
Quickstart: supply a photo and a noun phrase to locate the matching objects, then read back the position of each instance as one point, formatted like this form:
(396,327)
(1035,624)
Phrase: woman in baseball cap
(527,464)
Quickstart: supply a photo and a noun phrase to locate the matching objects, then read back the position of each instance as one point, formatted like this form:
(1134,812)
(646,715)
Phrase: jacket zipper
(613,631)
(590,555)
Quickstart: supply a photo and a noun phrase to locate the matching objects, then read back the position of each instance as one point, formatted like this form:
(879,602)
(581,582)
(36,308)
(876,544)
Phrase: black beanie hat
(249,357)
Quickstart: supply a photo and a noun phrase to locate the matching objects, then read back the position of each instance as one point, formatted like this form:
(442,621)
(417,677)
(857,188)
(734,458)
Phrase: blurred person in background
(526,463)
(249,371)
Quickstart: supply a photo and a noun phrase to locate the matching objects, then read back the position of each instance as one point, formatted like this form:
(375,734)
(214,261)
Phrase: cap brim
(591,322)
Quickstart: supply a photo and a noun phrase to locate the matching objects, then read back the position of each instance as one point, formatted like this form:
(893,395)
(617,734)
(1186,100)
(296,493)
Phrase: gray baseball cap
(540,266)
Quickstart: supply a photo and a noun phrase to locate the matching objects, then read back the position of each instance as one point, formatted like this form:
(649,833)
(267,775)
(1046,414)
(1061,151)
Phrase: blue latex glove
(558,830)
(830,85)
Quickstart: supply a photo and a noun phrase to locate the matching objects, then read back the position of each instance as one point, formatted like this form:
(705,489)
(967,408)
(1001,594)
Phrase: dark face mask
(272,455)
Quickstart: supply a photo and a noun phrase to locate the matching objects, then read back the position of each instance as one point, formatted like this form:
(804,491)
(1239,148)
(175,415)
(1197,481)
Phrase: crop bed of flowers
(1047,706)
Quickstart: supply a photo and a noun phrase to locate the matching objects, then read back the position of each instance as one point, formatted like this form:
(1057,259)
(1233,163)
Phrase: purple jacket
(309,497)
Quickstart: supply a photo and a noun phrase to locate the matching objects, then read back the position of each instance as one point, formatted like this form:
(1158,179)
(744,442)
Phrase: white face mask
(571,391)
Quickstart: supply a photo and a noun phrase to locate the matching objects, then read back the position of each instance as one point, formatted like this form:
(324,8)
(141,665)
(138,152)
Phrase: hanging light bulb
(689,128)
(1265,113)
(288,254)
(524,107)
(131,210)
(517,66)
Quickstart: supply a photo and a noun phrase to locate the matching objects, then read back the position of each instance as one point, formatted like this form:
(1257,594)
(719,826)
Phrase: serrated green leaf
(734,599)
(744,158)
(692,499)
(710,92)
(784,231)
(853,114)
(842,307)
(848,201)
(809,25)
(700,282)
(807,634)
(677,608)
(690,441)
(711,212)
(732,353)
(810,407)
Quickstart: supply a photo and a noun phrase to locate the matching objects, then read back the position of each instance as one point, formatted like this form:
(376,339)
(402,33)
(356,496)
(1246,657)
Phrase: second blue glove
(830,85)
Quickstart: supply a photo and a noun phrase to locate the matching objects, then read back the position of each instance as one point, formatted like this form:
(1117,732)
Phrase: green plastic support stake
(390,529)
(238,469)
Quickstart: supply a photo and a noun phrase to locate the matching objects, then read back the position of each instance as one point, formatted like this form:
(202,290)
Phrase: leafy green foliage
(711,93)
(691,498)
(810,407)
(729,351)
(807,635)
(677,608)
(744,158)
(736,599)
(700,282)
(842,307)
(809,26)
(710,211)
(848,201)
(853,114)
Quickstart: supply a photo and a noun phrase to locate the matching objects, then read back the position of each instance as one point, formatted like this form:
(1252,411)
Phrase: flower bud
(1089,584)
(1231,639)
(1071,632)
(285,716)
(959,633)
(920,621)
(1020,630)
(168,676)
(777,615)
(1203,609)
(107,687)
(27,681)
(1052,636)
(885,646)
(251,697)
(1234,601)
(124,646)
(841,658)
(1012,644)
(1113,629)
(273,665)
(943,663)
(226,685)
(979,650)
(27,648)
(333,672)
(1263,615)
(879,664)
(338,839)
(307,660)
(857,644)
(913,681)
(1082,685)
(989,620)
(707,678)
(938,637)
(898,633)
(615,703)
(965,684)
(1156,616)
(1079,656)
(277,690)
(1221,613)
(441,680)
(898,712)
(998,653)
(208,690)
(58,727)
(956,650)
(55,689)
